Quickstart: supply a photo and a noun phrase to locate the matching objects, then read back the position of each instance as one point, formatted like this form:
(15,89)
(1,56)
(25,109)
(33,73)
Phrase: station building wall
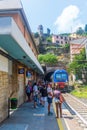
(12,85)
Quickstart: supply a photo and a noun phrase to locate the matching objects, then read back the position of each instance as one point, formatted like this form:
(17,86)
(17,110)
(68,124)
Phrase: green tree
(67,47)
(49,39)
(79,64)
(47,58)
(80,31)
(36,35)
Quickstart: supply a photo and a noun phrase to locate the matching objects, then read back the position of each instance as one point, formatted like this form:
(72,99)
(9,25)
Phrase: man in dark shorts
(43,95)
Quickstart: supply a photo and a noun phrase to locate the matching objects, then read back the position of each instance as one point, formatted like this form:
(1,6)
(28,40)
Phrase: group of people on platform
(41,92)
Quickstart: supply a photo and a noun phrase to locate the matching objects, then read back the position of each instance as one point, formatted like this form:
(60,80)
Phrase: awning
(13,42)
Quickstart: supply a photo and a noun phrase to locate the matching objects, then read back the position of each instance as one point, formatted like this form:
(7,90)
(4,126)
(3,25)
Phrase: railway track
(76,107)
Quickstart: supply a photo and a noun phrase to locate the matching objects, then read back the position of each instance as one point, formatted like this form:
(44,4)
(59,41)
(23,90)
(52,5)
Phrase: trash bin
(13,103)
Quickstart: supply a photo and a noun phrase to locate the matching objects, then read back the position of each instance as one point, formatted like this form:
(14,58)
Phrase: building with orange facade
(76,46)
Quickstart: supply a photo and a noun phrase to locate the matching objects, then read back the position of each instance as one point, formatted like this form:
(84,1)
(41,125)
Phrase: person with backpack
(29,91)
(58,99)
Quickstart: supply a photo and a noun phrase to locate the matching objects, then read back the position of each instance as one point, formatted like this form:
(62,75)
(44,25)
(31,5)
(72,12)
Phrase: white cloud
(68,20)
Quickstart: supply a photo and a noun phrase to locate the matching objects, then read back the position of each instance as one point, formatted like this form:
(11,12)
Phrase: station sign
(21,71)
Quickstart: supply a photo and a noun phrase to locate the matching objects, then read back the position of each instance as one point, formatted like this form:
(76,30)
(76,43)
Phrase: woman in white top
(49,98)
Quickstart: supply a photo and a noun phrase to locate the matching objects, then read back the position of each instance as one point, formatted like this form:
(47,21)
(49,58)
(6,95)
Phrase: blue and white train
(61,78)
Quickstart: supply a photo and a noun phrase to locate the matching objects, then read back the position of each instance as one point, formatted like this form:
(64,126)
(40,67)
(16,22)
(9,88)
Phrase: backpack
(28,89)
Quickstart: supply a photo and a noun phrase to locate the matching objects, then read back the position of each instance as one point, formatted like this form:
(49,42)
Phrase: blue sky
(60,16)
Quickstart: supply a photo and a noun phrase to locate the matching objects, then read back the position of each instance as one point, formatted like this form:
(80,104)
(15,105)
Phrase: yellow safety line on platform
(58,119)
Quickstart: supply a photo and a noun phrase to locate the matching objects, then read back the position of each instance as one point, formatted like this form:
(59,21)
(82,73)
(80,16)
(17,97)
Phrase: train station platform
(28,118)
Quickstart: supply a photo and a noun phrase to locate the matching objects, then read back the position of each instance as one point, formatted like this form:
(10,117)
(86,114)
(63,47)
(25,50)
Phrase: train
(61,78)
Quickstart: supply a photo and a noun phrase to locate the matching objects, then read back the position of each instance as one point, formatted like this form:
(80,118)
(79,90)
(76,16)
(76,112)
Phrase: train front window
(58,76)
(64,76)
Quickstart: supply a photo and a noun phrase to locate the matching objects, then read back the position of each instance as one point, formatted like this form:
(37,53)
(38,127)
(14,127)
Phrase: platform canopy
(11,38)
(14,43)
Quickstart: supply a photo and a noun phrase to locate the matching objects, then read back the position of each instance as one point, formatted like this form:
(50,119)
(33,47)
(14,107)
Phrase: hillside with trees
(48,50)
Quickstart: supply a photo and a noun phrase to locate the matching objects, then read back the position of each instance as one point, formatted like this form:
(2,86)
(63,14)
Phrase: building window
(65,38)
(61,37)
(61,42)
(57,41)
